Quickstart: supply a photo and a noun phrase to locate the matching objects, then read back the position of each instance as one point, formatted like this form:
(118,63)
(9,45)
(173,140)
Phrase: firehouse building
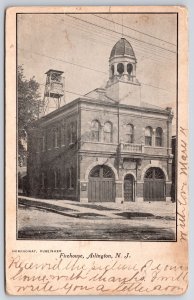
(107,146)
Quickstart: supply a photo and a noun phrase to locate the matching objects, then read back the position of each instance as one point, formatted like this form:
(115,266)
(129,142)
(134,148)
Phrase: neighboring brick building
(105,146)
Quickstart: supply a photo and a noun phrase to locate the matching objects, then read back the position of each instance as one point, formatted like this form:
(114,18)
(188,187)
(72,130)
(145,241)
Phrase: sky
(80,46)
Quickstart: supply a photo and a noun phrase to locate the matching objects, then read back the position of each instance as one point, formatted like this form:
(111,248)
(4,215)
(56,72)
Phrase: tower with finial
(123,85)
(54,91)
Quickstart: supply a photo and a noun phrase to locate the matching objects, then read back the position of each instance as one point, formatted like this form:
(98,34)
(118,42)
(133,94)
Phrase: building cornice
(94,102)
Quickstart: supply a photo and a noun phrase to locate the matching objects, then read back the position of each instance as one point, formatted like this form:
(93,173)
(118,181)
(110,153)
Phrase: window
(129,68)
(56,138)
(120,68)
(108,132)
(49,139)
(57,178)
(63,134)
(51,177)
(159,137)
(43,143)
(56,77)
(43,180)
(95,132)
(71,178)
(129,134)
(148,136)
(39,145)
(72,133)
(154,173)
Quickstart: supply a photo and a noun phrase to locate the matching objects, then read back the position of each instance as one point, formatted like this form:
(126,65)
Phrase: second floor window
(159,137)
(56,138)
(95,131)
(43,143)
(108,132)
(63,134)
(49,138)
(129,134)
(148,136)
(72,133)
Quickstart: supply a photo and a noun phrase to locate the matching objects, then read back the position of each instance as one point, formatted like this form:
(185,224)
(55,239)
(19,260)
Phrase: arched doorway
(154,185)
(129,188)
(101,186)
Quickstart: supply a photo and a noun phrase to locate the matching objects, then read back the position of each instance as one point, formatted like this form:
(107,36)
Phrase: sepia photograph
(96,145)
(97,101)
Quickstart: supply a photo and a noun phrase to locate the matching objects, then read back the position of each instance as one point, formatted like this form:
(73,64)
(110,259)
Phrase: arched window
(159,133)
(108,132)
(56,137)
(71,178)
(51,178)
(148,136)
(72,132)
(95,132)
(154,173)
(43,180)
(57,178)
(49,138)
(63,134)
(129,68)
(101,171)
(130,133)
(120,68)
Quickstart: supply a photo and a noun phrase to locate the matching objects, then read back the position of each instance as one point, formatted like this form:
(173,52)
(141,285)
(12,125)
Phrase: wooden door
(154,185)
(128,188)
(101,186)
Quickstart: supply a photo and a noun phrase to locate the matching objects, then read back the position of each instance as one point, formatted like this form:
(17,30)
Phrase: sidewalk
(111,210)
(65,219)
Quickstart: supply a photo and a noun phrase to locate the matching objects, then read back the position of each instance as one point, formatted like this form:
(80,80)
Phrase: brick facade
(59,163)
(105,146)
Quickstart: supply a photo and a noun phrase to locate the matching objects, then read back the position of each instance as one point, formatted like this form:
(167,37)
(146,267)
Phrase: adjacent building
(107,146)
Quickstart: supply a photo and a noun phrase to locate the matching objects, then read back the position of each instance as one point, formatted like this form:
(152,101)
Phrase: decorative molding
(101,161)
(155,164)
(128,173)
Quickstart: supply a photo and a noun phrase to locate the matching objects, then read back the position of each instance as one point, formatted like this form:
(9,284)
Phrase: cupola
(122,83)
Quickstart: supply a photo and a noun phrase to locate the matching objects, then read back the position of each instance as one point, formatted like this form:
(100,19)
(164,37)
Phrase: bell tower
(54,92)
(123,85)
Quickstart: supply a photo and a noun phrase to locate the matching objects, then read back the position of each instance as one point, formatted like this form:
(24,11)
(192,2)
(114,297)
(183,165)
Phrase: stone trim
(130,173)
(155,164)
(100,162)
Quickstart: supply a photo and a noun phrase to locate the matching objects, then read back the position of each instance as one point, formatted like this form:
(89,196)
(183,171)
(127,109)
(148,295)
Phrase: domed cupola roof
(122,48)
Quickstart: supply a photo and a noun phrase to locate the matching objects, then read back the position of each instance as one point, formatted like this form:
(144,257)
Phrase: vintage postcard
(96,170)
